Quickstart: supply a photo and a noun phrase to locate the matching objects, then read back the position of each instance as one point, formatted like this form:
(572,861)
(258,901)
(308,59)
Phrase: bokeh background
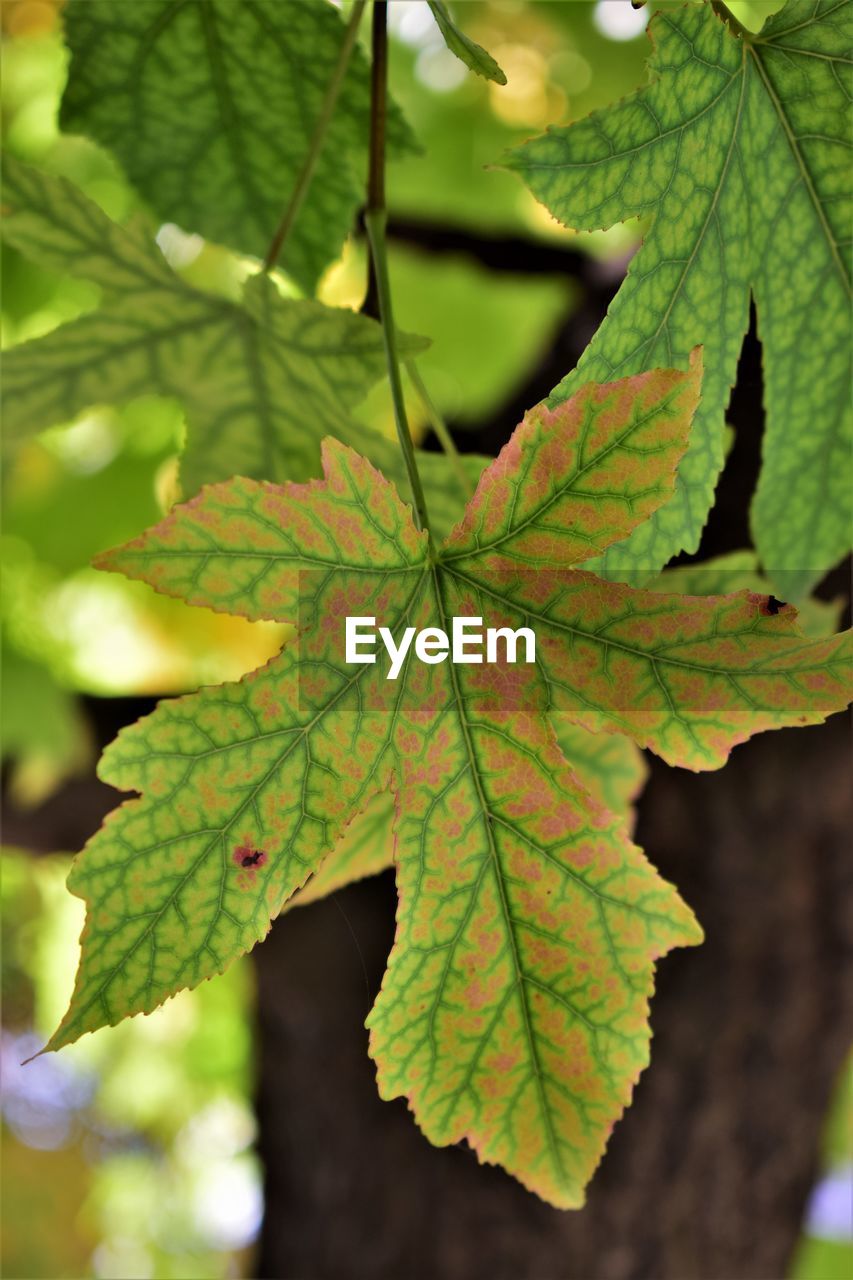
(236,1132)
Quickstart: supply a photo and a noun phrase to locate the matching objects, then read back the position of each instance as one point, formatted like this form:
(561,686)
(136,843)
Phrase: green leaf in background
(365,848)
(210,106)
(488,328)
(611,767)
(465,49)
(261,380)
(739,151)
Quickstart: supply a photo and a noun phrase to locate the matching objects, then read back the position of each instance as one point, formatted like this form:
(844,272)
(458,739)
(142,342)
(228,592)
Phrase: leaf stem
(318,137)
(437,423)
(375,219)
(723,11)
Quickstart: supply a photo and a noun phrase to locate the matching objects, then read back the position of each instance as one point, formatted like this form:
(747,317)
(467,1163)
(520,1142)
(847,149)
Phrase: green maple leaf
(465,49)
(514,1009)
(261,380)
(210,106)
(738,150)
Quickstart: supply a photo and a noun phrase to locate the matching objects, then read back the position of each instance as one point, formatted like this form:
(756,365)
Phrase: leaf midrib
(645,654)
(498,875)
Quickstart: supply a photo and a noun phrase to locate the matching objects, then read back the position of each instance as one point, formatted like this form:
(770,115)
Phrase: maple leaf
(514,1009)
(210,107)
(738,151)
(261,380)
(465,49)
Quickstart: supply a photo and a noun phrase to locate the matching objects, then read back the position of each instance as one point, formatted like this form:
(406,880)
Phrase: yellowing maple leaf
(514,1011)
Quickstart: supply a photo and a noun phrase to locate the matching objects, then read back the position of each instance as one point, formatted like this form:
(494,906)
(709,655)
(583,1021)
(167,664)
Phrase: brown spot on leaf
(769,606)
(246,857)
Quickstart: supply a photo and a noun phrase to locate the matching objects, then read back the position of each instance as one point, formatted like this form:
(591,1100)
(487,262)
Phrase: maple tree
(514,1011)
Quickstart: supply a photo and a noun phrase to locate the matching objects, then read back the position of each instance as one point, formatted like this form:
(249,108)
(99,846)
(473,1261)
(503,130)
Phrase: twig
(438,424)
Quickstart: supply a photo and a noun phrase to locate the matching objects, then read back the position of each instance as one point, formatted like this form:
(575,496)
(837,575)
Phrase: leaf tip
(48,1048)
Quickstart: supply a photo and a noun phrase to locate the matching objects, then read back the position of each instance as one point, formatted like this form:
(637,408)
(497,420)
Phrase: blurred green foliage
(131,1154)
